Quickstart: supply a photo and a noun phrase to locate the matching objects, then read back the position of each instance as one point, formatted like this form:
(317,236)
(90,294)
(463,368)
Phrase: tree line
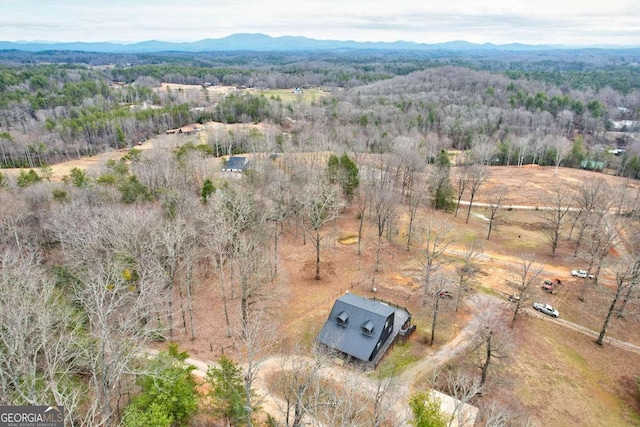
(55,111)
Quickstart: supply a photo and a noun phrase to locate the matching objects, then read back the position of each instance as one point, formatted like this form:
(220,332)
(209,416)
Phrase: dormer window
(342,318)
(367,328)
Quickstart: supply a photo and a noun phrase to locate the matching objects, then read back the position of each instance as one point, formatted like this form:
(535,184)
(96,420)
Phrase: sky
(565,22)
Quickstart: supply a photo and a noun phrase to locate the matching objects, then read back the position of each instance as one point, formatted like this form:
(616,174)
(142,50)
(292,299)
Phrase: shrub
(426,410)
(26,179)
(59,194)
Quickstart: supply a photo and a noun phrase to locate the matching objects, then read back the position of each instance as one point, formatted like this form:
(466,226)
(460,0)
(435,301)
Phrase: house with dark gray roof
(236,164)
(362,328)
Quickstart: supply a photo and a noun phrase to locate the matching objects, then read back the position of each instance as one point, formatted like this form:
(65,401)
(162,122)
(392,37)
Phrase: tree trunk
(515,312)
(458,204)
(469,209)
(435,318)
(554,242)
(490,227)
(409,230)
(275,250)
(360,225)
(378,250)
(584,284)
(626,299)
(487,362)
(606,319)
(190,301)
(317,242)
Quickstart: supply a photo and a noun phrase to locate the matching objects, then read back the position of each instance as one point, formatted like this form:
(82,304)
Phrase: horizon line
(129,43)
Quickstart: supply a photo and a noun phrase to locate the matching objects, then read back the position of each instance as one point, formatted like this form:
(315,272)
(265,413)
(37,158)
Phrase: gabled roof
(358,334)
(236,163)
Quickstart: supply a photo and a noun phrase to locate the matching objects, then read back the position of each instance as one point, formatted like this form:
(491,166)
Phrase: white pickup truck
(546,309)
(581,273)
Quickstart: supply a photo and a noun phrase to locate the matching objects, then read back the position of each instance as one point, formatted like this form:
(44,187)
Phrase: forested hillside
(363,171)
(52,112)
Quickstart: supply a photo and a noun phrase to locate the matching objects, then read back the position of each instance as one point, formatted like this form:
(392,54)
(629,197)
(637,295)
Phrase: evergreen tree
(207,189)
(226,391)
(77,178)
(26,179)
(344,171)
(169,395)
(440,184)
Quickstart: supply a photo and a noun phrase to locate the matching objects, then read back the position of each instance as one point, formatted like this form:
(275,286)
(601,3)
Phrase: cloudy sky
(568,22)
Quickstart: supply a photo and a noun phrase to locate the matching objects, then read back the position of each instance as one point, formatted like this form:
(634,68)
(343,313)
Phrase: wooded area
(106,264)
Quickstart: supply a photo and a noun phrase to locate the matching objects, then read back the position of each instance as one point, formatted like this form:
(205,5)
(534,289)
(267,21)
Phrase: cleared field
(288,95)
(201,93)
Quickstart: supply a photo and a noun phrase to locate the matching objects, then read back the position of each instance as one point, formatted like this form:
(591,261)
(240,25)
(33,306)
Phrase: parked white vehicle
(546,309)
(581,273)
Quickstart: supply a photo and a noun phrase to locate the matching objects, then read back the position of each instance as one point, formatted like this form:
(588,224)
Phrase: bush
(426,410)
(59,194)
(26,179)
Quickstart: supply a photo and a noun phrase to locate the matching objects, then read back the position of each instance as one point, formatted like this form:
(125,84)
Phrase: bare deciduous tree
(462,387)
(416,198)
(384,397)
(280,203)
(218,235)
(39,348)
(461,183)
(115,260)
(602,237)
(258,334)
(627,272)
(495,206)
(179,244)
(561,147)
(477,176)
(410,165)
(366,191)
(297,378)
(521,145)
(592,200)
(467,268)
(322,204)
(492,336)
(439,284)
(554,215)
(384,207)
(436,235)
(528,273)
(483,150)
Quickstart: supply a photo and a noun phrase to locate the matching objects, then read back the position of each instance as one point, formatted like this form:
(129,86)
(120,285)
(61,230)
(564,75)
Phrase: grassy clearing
(562,375)
(398,359)
(287,95)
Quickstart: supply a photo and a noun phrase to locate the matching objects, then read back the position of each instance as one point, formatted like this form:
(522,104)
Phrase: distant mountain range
(265,43)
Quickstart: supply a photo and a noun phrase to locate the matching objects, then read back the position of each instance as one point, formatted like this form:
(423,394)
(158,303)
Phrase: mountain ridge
(263,43)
